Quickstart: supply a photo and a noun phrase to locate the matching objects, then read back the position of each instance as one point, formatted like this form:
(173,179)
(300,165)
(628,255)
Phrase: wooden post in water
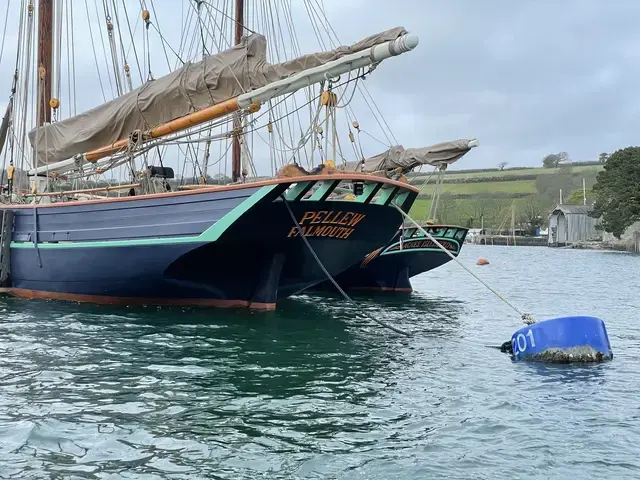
(45,44)
(236,152)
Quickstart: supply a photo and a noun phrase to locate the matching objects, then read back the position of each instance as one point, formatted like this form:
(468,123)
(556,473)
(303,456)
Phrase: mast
(45,62)
(236,161)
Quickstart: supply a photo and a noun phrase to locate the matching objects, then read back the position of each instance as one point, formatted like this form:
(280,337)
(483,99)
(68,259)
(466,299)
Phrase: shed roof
(573,209)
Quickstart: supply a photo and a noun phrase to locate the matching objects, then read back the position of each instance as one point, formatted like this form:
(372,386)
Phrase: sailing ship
(241,244)
(410,252)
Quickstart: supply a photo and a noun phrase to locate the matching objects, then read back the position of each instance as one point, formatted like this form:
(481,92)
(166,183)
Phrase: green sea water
(316,390)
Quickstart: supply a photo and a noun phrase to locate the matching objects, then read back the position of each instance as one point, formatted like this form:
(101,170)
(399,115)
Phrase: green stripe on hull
(211,234)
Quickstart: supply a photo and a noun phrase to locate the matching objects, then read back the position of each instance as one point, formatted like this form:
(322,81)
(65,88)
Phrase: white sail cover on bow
(191,88)
(410,158)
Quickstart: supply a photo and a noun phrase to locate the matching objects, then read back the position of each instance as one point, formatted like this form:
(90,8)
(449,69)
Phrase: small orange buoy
(482,261)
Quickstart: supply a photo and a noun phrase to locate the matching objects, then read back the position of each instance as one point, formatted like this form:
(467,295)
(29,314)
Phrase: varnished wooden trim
(225,188)
(106,300)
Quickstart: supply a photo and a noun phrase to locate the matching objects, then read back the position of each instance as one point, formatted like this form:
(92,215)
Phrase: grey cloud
(526,77)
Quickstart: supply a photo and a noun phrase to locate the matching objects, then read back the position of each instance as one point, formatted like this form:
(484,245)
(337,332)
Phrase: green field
(461,211)
(518,186)
(473,196)
(462,175)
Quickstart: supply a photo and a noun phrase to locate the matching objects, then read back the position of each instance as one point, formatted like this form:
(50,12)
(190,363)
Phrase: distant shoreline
(502,240)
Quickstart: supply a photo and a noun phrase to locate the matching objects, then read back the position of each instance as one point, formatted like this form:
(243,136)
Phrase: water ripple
(315,390)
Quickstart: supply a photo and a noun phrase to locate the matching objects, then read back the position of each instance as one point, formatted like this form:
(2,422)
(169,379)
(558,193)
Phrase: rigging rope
(113,48)
(330,278)
(204,44)
(4,33)
(57,55)
(73,61)
(104,49)
(525,317)
(26,64)
(329,29)
(133,43)
(435,196)
(95,54)
(157,28)
(124,55)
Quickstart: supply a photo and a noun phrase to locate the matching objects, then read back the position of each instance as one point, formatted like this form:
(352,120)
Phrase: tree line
(615,196)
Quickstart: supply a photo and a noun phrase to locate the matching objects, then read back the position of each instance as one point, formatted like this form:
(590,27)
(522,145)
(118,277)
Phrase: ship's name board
(411,244)
(323,223)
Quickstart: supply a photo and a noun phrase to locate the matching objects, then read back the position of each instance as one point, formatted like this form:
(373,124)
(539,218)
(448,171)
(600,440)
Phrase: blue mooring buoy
(563,340)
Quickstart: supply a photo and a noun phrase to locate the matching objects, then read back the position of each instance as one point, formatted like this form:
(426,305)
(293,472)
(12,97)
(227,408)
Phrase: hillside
(469,195)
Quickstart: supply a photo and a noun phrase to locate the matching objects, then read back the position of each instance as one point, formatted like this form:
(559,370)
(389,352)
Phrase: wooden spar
(206,114)
(239,22)
(236,160)
(45,60)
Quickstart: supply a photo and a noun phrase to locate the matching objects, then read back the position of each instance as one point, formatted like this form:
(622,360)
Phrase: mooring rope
(526,318)
(335,284)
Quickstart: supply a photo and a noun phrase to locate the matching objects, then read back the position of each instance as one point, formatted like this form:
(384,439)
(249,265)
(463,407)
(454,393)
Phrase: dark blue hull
(231,247)
(390,268)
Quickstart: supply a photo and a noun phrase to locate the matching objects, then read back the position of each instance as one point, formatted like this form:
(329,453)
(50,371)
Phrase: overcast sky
(526,77)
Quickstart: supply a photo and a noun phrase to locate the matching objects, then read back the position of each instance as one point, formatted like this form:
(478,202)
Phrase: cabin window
(459,234)
(450,233)
(407,233)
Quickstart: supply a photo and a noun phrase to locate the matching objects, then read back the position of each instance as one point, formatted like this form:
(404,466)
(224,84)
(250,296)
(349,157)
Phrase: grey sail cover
(193,87)
(410,158)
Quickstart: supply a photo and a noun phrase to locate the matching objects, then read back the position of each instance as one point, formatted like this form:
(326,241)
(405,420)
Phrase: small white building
(571,223)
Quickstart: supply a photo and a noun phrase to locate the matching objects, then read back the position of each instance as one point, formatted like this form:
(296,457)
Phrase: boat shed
(571,223)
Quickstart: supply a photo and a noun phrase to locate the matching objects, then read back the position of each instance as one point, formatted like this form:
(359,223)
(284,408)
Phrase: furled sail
(4,126)
(410,158)
(191,88)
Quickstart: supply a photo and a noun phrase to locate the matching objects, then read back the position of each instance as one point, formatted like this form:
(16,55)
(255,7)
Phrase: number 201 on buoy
(520,343)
